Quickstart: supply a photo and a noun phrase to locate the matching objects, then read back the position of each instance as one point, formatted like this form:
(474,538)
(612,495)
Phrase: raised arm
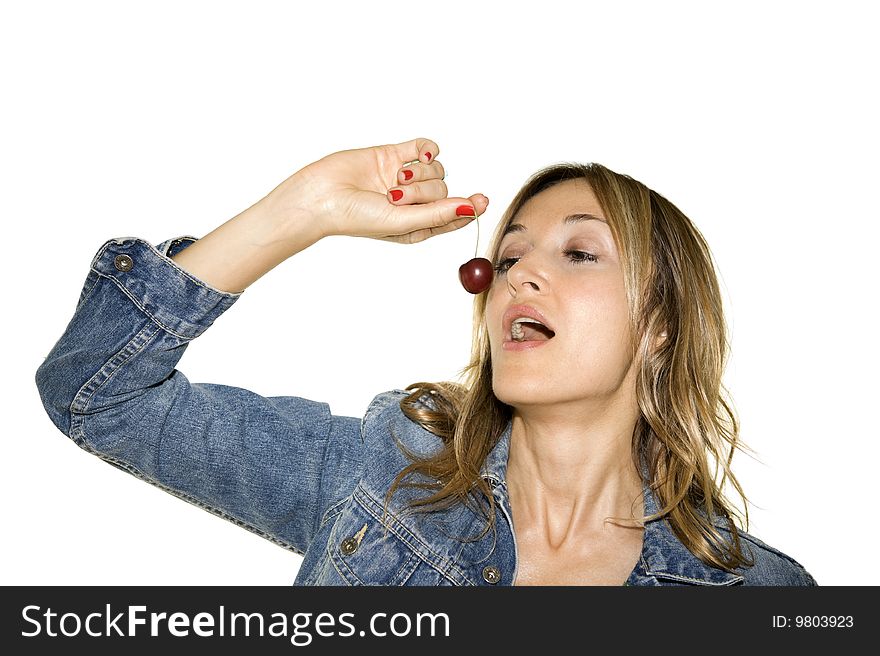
(359,193)
(270,464)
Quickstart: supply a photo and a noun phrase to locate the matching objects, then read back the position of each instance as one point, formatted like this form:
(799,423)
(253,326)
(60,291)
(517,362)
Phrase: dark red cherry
(476,275)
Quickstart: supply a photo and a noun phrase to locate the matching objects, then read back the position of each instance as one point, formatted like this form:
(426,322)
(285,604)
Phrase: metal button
(123,262)
(491,574)
(349,546)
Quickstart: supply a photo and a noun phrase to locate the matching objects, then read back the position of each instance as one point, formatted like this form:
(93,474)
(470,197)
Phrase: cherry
(476,275)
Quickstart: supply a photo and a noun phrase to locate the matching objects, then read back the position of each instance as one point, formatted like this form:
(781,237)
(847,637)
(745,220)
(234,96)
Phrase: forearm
(242,250)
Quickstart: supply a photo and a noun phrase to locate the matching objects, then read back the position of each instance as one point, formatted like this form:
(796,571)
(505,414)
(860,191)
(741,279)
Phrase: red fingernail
(396,194)
(465,210)
(407,174)
(428,155)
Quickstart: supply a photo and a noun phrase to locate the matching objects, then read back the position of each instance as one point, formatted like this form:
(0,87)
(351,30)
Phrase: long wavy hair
(687,427)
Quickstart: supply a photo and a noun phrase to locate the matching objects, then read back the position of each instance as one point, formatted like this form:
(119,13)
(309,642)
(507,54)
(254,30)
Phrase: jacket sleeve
(272,465)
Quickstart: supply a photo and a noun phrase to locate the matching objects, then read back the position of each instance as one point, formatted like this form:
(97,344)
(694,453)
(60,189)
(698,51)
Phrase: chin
(521,392)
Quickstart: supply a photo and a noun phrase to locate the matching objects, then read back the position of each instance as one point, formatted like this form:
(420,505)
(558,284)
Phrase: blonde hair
(671,287)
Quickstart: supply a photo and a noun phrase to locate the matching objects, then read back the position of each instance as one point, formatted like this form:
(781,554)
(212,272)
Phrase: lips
(511,345)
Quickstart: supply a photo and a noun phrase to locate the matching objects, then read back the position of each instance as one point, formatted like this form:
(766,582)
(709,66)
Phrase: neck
(570,467)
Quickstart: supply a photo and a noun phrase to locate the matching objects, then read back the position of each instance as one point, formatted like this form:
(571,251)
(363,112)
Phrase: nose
(526,274)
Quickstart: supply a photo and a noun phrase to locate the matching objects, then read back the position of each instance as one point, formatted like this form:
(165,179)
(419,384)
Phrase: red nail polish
(465,210)
(407,174)
(396,194)
(428,155)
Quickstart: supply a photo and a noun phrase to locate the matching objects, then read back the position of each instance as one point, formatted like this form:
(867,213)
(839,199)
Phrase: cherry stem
(478,236)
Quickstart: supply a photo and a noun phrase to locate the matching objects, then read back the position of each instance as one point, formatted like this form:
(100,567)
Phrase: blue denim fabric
(285,467)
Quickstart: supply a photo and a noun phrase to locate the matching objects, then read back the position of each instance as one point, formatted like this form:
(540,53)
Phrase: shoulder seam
(766,547)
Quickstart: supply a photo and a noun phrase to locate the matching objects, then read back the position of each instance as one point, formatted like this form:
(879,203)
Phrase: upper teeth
(516,330)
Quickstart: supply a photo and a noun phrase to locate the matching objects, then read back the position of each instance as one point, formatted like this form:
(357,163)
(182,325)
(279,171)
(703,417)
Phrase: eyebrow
(571,218)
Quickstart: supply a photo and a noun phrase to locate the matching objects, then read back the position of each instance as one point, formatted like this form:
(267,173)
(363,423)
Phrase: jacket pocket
(363,551)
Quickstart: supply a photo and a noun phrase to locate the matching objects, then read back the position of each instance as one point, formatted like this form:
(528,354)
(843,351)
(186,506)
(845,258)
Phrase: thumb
(440,213)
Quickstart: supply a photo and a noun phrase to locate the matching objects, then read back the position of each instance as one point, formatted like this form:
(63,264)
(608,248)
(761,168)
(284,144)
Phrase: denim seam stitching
(443,565)
(401,576)
(181,272)
(676,577)
(327,437)
(764,546)
(140,307)
(197,502)
(85,394)
(347,574)
(333,511)
(85,295)
(344,575)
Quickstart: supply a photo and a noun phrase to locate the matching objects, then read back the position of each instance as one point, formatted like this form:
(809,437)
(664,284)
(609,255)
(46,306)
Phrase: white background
(759,120)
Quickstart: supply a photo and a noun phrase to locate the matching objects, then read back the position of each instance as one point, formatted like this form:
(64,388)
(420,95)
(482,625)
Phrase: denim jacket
(285,467)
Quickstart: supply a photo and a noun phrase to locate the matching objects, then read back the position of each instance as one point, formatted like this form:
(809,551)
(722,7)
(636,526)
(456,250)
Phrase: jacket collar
(663,557)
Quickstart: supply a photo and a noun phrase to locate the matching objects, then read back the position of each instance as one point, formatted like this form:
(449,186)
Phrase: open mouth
(526,329)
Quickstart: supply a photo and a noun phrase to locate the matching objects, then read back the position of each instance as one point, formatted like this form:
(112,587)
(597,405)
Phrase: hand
(348,193)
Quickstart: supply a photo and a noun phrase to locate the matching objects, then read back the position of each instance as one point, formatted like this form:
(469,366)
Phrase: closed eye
(581,256)
(576,257)
(505,264)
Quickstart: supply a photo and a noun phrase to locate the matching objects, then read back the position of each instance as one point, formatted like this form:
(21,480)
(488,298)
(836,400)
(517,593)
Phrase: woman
(577,452)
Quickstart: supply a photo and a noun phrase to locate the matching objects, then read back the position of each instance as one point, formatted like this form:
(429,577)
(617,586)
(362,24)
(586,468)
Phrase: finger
(413,218)
(418,172)
(421,149)
(419,192)
(476,203)
(426,233)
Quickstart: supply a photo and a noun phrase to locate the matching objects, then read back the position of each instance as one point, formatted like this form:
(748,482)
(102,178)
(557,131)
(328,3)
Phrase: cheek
(492,314)
(602,322)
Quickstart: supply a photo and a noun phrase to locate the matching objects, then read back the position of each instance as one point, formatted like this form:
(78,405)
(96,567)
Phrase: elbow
(49,379)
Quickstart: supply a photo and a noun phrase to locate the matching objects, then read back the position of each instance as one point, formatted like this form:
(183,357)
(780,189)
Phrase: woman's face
(569,272)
